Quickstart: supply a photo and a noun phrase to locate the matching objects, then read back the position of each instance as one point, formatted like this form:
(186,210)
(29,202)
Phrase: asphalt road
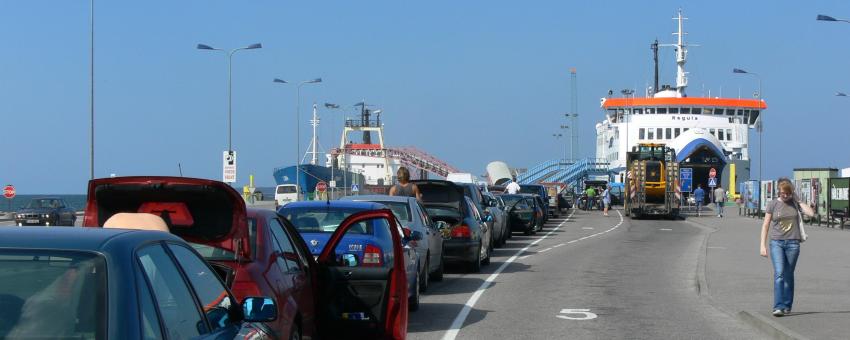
(588,277)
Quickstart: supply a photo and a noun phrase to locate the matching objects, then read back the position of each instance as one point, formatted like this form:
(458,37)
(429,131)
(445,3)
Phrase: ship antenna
(681,55)
(655,59)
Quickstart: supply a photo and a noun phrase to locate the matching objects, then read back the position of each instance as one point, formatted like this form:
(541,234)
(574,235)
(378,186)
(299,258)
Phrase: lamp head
(822,17)
(737,70)
(278,80)
(254,46)
(205,47)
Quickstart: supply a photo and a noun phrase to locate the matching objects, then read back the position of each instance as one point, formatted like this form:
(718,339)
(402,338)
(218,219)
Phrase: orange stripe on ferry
(686,101)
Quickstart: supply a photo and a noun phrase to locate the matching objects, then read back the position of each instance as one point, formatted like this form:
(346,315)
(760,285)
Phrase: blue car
(317,220)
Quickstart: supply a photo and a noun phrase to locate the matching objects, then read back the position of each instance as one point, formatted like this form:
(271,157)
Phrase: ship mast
(681,57)
(314,152)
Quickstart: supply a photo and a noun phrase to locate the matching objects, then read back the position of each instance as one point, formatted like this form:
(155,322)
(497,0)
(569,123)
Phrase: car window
(426,220)
(215,299)
(474,209)
(286,189)
(287,250)
(400,209)
(322,219)
(52,295)
(150,321)
(175,302)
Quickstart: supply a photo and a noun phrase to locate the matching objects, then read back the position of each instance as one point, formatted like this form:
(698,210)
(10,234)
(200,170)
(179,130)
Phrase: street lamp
(627,116)
(298,131)
(558,136)
(573,136)
(840,94)
(565,127)
(91,88)
(761,122)
(229,85)
(822,17)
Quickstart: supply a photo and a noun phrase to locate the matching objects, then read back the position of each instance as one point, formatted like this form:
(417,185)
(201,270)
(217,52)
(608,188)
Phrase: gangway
(541,171)
(587,168)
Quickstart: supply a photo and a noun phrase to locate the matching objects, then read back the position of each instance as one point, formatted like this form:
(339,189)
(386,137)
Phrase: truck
(652,180)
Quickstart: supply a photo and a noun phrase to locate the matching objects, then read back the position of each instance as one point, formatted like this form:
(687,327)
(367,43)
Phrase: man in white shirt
(513,187)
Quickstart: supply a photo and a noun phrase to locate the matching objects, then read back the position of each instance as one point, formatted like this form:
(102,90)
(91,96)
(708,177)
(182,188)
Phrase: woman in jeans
(782,225)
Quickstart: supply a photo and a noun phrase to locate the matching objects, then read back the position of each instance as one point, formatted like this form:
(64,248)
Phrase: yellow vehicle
(652,181)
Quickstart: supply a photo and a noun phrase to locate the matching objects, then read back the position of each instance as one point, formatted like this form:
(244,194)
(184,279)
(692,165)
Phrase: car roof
(384,198)
(84,239)
(335,204)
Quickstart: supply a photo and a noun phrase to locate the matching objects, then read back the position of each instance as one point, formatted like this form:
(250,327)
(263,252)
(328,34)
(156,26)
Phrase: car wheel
(425,274)
(296,332)
(438,275)
(475,266)
(413,301)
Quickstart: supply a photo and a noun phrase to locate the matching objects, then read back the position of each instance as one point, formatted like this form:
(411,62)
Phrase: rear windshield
(52,295)
(400,209)
(442,211)
(288,189)
(218,254)
(322,219)
(511,200)
(529,189)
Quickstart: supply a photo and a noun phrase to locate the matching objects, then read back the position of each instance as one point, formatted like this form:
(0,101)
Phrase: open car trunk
(198,210)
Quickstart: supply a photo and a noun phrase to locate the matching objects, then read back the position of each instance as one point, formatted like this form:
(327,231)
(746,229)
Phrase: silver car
(413,215)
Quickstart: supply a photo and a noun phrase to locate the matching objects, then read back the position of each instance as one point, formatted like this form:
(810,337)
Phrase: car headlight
(46,215)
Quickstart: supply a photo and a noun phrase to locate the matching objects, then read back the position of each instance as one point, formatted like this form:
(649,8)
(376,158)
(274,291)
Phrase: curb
(768,326)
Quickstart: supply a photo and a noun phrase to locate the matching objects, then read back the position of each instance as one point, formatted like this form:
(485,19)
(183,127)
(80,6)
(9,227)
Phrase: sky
(467,81)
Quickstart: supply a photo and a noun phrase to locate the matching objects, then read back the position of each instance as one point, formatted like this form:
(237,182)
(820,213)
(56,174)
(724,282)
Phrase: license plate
(33,221)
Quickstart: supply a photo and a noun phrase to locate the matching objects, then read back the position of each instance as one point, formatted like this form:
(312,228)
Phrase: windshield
(211,253)
(44,203)
(322,219)
(286,189)
(52,295)
(400,209)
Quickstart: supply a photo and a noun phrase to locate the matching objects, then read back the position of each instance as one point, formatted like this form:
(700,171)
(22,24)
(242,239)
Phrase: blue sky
(469,82)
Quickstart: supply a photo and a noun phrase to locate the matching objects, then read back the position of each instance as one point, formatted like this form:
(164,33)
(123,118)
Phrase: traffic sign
(228,163)
(321,186)
(687,179)
(712,182)
(9,191)
(355,188)
(712,173)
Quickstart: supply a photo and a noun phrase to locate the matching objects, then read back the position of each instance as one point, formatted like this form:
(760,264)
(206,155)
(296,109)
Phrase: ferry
(707,133)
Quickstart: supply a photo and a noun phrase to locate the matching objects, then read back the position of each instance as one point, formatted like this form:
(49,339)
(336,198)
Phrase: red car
(258,252)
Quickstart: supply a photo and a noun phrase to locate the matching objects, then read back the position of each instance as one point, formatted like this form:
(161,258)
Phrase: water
(78,202)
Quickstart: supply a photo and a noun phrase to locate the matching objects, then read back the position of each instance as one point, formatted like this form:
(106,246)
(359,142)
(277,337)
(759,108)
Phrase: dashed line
(665,229)
(558,245)
(524,256)
(587,228)
(545,250)
(454,329)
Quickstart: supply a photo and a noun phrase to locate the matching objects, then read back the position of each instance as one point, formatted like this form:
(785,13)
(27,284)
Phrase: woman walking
(782,224)
(404,187)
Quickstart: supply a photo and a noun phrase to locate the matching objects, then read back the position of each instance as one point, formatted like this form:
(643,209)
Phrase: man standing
(606,199)
(719,199)
(591,197)
(699,197)
(513,187)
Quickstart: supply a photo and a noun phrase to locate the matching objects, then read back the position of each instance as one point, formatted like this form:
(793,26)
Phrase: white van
(285,193)
(461,177)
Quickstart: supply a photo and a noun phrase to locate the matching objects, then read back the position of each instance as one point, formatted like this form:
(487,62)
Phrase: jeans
(784,254)
(719,208)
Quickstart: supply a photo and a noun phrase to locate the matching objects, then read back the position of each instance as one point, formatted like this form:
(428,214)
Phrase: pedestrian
(782,224)
(719,199)
(606,199)
(404,187)
(513,187)
(591,198)
(699,198)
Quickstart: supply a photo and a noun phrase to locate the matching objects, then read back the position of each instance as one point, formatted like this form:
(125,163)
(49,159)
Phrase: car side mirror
(416,235)
(405,232)
(259,309)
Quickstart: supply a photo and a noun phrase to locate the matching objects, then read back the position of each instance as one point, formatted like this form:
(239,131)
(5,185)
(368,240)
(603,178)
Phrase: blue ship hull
(310,175)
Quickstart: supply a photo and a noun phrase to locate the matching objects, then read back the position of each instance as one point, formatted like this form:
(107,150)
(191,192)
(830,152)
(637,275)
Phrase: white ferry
(706,132)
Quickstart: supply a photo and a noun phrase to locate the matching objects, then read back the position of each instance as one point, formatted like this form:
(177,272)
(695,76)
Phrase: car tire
(425,274)
(475,265)
(413,301)
(296,332)
(438,275)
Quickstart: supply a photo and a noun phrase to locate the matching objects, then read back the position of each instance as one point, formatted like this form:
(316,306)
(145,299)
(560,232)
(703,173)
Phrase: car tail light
(372,256)
(461,231)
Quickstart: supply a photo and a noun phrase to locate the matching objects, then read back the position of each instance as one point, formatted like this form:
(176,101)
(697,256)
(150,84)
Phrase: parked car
(470,235)
(46,211)
(413,215)
(540,190)
(497,230)
(369,242)
(523,216)
(87,283)
(500,218)
(248,249)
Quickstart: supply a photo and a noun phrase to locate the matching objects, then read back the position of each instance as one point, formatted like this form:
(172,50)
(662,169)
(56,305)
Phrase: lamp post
(558,136)
(298,131)
(229,85)
(573,136)
(565,127)
(91,84)
(628,93)
(760,124)
(334,157)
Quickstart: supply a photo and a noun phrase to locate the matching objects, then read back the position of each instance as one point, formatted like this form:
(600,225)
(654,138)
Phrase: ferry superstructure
(706,132)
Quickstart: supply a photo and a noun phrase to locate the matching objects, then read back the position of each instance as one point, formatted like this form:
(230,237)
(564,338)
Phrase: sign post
(9,193)
(354,188)
(321,186)
(229,166)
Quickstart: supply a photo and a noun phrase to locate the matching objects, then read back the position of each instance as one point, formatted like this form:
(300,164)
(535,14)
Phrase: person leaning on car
(513,187)
(404,187)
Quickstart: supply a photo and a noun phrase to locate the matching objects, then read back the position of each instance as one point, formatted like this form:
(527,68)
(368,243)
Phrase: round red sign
(9,191)
(712,173)
(321,186)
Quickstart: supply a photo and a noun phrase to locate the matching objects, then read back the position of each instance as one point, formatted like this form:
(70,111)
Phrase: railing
(536,173)
(408,156)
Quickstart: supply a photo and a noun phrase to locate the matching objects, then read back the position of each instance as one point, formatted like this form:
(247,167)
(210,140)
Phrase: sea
(78,202)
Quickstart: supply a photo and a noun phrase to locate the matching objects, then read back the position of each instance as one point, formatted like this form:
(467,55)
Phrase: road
(588,276)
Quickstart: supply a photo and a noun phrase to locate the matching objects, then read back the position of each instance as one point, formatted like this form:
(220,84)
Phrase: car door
(435,238)
(364,301)
(296,276)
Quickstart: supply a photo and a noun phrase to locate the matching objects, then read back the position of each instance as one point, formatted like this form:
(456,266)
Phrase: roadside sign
(355,188)
(712,182)
(229,166)
(332,184)
(9,191)
(712,173)
(686,176)
(321,187)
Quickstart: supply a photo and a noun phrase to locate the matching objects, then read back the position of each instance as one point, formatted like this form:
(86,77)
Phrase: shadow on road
(439,317)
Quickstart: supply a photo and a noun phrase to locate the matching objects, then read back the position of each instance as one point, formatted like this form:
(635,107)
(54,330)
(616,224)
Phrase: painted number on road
(576,314)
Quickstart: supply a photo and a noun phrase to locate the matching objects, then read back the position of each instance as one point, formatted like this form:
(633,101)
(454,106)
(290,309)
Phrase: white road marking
(545,250)
(665,229)
(587,228)
(523,257)
(716,247)
(454,329)
(558,245)
(586,314)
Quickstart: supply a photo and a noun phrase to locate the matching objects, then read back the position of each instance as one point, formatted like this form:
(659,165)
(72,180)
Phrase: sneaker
(786,311)
(778,312)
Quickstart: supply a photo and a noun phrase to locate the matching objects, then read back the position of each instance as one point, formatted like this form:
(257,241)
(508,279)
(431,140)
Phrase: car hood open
(198,210)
